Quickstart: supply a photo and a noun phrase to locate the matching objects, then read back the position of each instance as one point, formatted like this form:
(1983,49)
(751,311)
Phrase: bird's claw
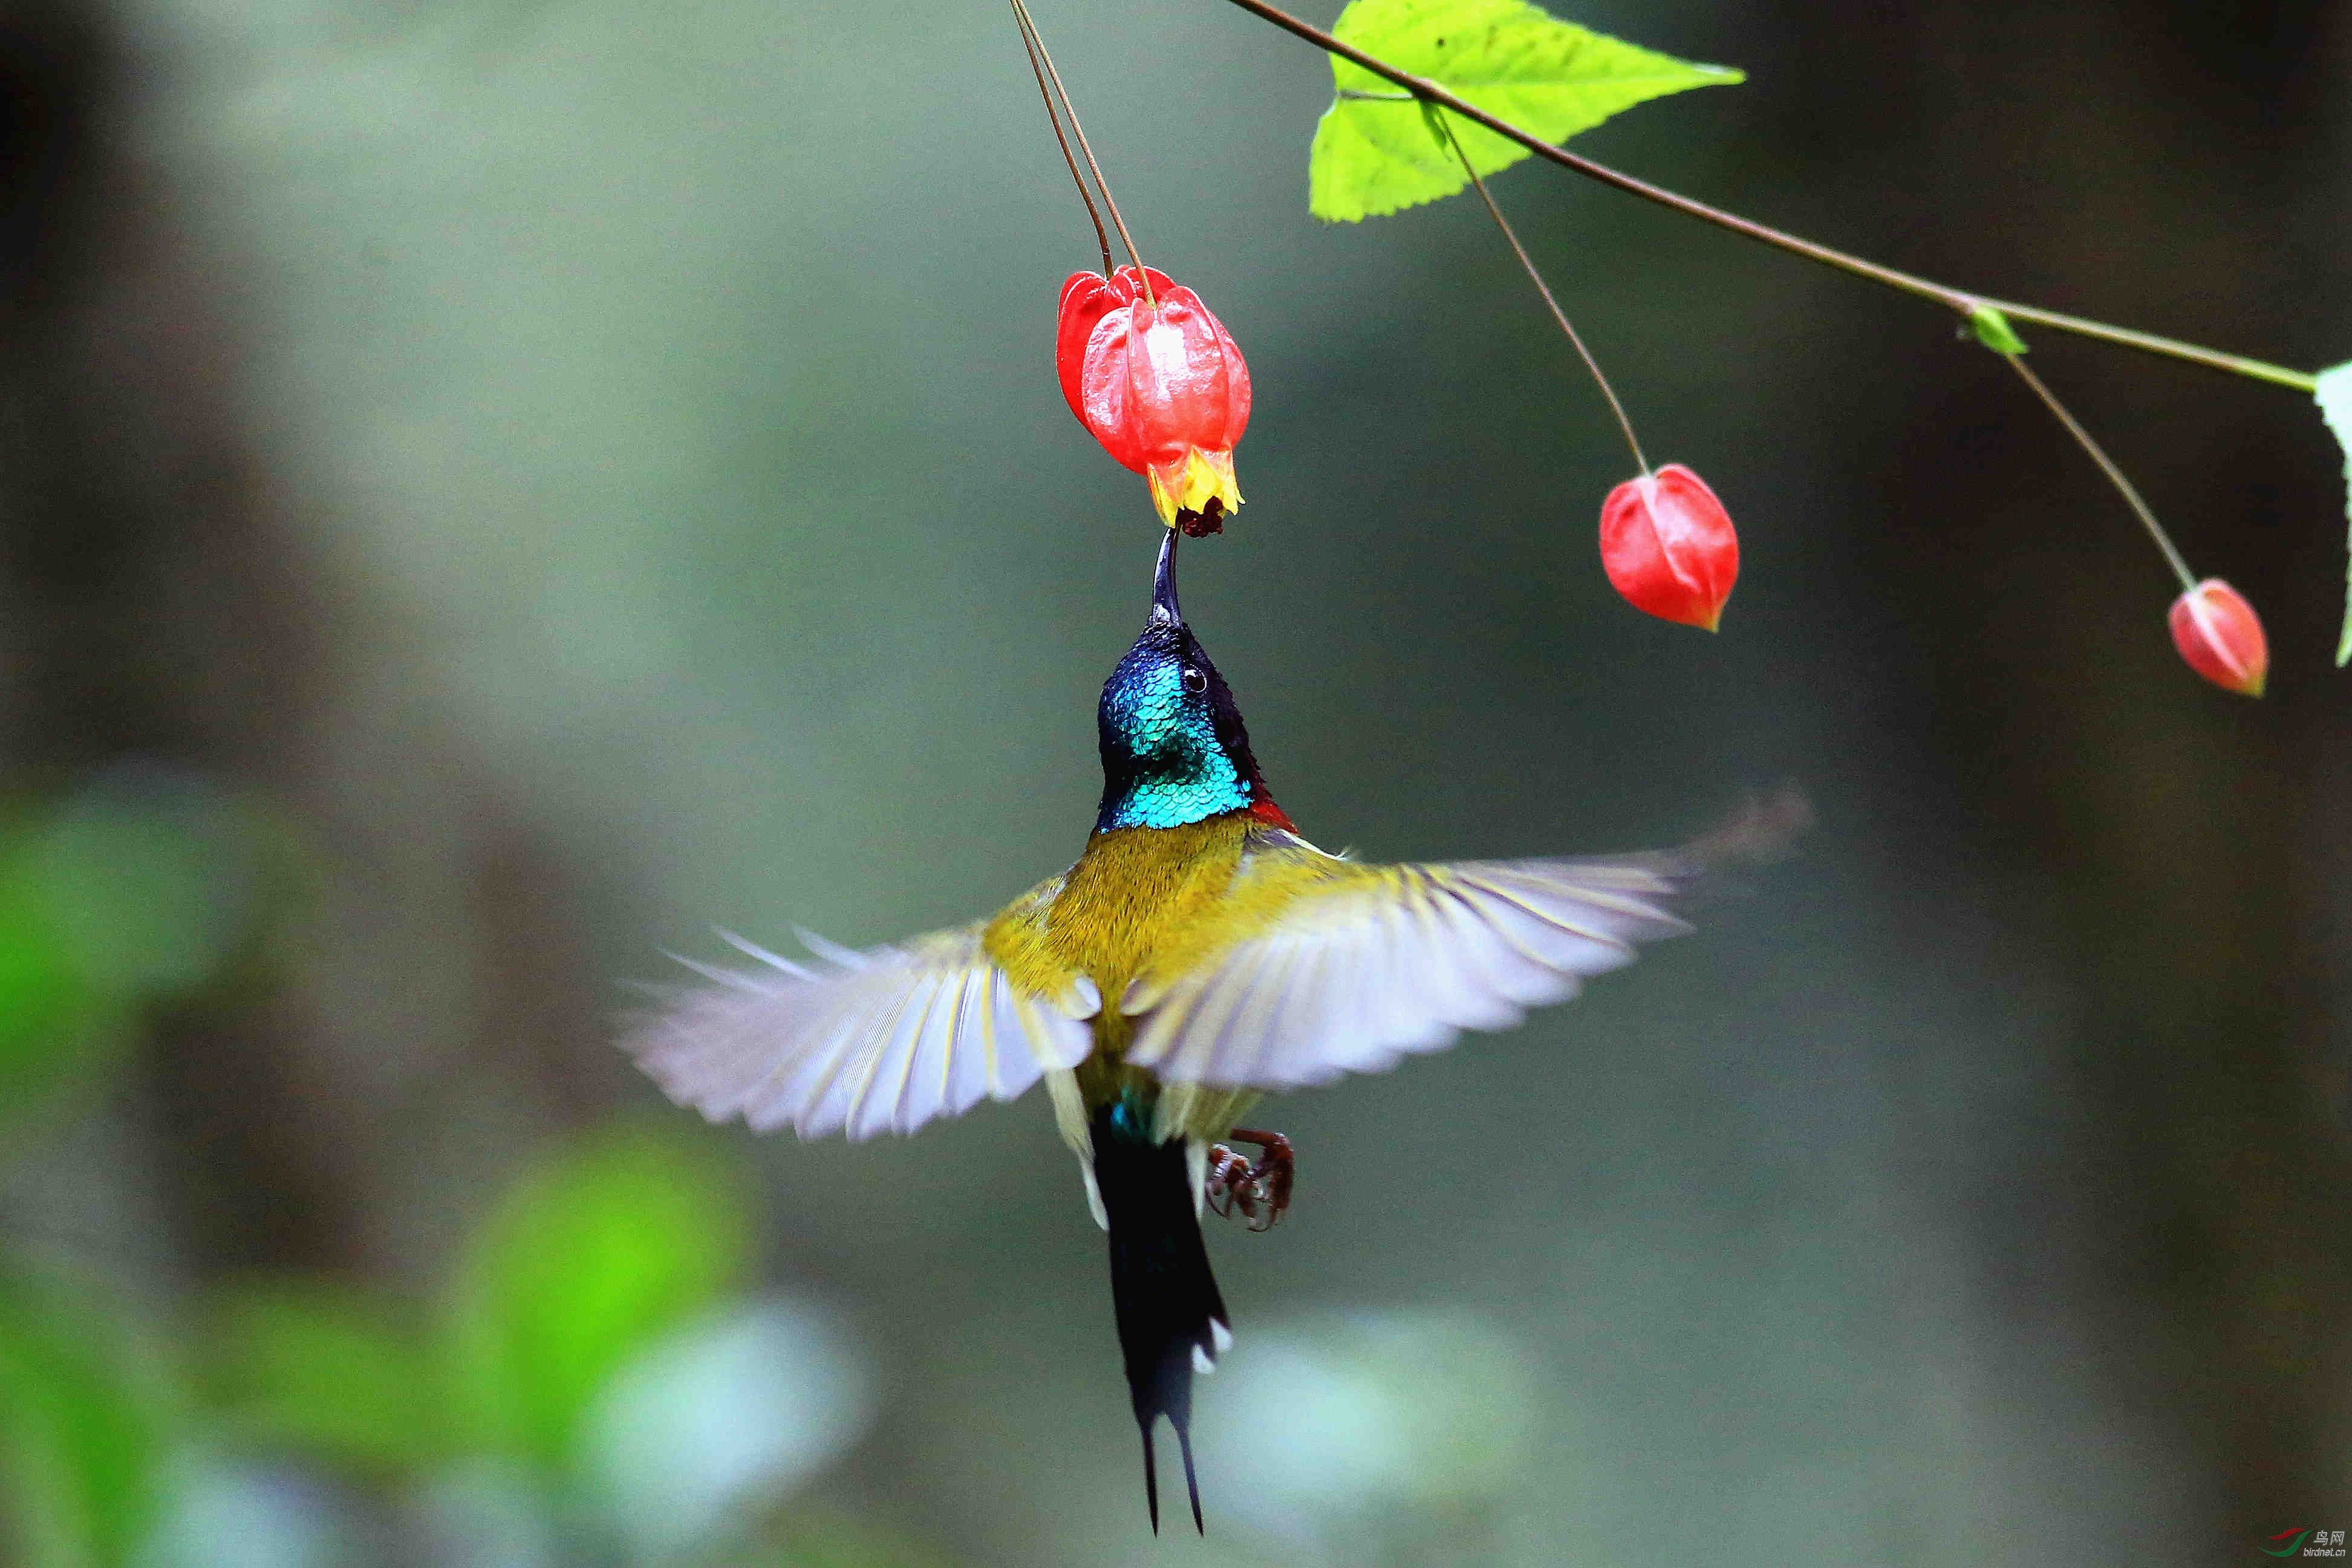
(1260,1190)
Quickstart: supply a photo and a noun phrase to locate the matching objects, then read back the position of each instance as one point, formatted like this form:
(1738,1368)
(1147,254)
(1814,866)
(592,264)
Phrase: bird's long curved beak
(1164,610)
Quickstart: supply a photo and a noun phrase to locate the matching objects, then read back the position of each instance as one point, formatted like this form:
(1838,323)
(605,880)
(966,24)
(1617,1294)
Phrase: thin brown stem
(2108,466)
(1070,110)
(2149,342)
(1543,289)
(1029,47)
(1944,294)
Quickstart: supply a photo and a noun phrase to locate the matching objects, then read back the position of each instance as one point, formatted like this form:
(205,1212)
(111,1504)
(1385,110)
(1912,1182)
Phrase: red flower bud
(1669,548)
(2218,634)
(1161,385)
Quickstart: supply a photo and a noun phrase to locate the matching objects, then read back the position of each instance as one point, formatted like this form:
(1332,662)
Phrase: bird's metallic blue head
(1173,749)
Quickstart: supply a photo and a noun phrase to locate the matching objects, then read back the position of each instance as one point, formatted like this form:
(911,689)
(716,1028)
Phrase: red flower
(1161,385)
(2218,634)
(1669,548)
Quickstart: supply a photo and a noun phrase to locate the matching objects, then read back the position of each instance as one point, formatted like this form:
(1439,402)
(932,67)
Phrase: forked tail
(1171,1321)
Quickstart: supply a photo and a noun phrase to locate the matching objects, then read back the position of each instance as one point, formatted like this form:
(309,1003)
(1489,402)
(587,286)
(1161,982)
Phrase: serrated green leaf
(328,1371)
(591,1256)
(82,1430)
(2336,407)
(1373,152)
(1993,330)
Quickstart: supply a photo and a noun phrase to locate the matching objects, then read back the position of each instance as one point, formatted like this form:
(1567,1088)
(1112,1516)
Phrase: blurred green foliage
(592,1254)
(84,1423)
(615,1251)
(334,1372)
(135,890)
(132,890)
(599,1249)
(827,1538)
(57,1022)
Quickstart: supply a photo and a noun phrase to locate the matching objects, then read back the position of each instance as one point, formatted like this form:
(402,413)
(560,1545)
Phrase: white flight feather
(1359,973)
(857,1042)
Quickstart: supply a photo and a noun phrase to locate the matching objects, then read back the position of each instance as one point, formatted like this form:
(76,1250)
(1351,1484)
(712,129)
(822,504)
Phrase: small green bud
(1993,330)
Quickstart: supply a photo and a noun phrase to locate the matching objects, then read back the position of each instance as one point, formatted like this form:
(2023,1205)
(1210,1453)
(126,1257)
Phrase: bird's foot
(1260,1191)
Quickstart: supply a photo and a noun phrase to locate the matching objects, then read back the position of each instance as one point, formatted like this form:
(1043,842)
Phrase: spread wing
(1334,967)
(861,1042)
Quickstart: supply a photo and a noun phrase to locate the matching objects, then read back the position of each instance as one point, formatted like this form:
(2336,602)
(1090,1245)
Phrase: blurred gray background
(586,471)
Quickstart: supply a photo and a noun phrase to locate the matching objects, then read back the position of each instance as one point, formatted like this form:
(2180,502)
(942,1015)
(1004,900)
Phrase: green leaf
(125,892)
(82,1427)
(143,891)
(58,1028)
(1993,330)
(330,1372)
(590,1257)
(1374,154)
(2336,407)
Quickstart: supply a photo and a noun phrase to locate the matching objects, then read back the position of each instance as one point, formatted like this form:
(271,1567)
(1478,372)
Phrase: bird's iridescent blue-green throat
(1199,953)
(1173,749)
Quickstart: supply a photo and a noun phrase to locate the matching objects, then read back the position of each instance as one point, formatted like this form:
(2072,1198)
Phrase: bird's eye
(1194,681)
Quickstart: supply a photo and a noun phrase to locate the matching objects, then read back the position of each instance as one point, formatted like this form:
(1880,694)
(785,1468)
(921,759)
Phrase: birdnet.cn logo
(2298,1541)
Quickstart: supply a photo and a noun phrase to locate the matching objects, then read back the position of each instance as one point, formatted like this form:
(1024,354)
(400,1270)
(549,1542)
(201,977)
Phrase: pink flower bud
(1669,547)
(1161,385)
(2218,634)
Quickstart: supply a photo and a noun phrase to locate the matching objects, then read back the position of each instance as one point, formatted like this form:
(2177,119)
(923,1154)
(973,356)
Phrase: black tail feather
(1166,1299)
(1151,1480)
(1192,1482)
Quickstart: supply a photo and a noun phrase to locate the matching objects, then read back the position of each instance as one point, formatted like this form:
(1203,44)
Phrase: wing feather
(1455,996)
(1498,968)
(858,1041)
(1299,1021)
(834,1105)
(1506,967)
(781,1089)
(1011,1033)
(751,949)
(966,1068)
(894,1071)
(1211,1033)
(1353,966)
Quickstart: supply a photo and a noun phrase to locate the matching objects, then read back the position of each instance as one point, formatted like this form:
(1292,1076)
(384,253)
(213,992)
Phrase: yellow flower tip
(1190,482)
(2254,686)
(1199,482)
(1164,503)
(1220,465)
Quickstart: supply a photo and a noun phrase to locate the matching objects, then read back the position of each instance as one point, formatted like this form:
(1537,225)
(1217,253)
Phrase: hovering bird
(1200,953)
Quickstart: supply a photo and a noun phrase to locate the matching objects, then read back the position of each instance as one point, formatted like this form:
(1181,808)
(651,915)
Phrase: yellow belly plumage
(1139,901)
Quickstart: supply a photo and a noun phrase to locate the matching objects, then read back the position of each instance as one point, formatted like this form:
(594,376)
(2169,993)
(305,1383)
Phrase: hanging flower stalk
(1145,366)
(1666,542)
(2215,630)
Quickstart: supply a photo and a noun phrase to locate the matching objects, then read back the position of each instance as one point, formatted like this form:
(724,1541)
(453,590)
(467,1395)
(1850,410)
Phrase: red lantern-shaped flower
(1161,385)
(1669,548)
(2218,634)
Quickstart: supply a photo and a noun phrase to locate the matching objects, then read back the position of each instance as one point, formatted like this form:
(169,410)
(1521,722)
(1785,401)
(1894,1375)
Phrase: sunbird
(1199,953)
